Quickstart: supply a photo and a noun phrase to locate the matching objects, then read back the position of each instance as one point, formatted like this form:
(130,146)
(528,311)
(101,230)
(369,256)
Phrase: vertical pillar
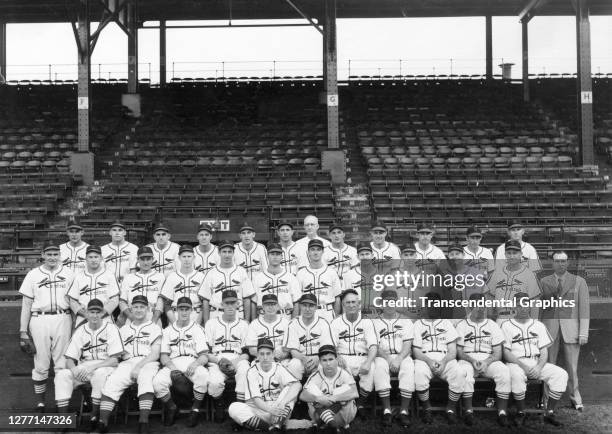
(162,53)
(331,74)
(584,84)
(84,76)
(132,25)
(2,51)
(489,45)
(525,48)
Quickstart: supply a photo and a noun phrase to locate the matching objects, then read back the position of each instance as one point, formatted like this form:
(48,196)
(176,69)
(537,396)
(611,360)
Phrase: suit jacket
(571,321)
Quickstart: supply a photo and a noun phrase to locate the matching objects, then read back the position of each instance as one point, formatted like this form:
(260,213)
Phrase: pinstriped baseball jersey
(290,259)
(224,337)
(137,340)
(434,336)
(529,257)
(326,384)
(48,289)
(392,333)
(87,344)
(184,341)
(179,285)
(504,284)
(253,261)
(307,339)
(120,260)
(340,260)
(205,261)
(165,260)
(267,385)
(148,284)
(353,338)
(525,339)
(219,279)
(432,252)
(275,331)
(478,339)
(73,257)
(322,282)
(388,251)
(86,286)
(482,259)
(284,285)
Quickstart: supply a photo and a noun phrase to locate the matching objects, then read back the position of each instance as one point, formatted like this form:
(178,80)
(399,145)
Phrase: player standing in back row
(249,254)
(119,255)
(206,253)
(311,227)
(73,251)
(339,255)
(165,252)
(529,255)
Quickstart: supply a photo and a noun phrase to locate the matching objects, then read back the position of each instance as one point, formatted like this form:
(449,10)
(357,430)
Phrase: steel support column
(132,25)
(162,53)
(584,84)
(489,45)
(525,49)
(330,62)
(84,76)
(2,51)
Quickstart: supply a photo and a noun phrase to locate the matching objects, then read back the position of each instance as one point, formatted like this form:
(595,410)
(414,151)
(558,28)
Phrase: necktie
(559,287)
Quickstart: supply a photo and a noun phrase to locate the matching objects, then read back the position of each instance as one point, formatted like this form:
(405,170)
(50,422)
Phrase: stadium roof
(32,11)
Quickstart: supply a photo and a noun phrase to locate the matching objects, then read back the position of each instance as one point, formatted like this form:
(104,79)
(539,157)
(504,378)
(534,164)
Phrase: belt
(228,352)
(536,357)
(353,354)
(441,352)
(55,312)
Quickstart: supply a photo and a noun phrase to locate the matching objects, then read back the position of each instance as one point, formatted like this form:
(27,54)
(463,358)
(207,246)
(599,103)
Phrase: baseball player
(141,343)
(249,254)
(269,325)
(526,353)
(416,286)
(284,230)
(225,276)
(119,255)
(355,339)
(276,280)
(45,322)
(514,277)
(95,282)
(529,255)
(92,354)
(206,254)
(479,350)
(183,351)
(317,278)
(330,393)
(146,282)
(430,256)
(339,255)
(185,282)
(359,276)
(382,250)
(73,251)
(165,252)
(226,336)
(311,227)
(270,394)
(434,350)
(475,254)
(394,349)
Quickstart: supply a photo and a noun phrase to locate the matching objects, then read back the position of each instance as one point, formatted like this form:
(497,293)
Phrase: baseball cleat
(451,417)
(387,420)
(427,416)
(519,419)
(502,420)
(404,420)
(193,418)
(469,418)
(40,408)
(102,427)
(170,413)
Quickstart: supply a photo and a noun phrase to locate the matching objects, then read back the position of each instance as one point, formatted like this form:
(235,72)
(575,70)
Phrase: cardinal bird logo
(86,289)
(47,282)
(384,333)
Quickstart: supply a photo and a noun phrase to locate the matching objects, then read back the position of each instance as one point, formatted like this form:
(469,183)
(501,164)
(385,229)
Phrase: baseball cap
(161,227)
(117,224)
(145,251)
(140,299)
(388,295)
(226,243)
(425,227)
(73,224)
(185,248)
(514,224)
(327,349)
(95,304)
(229,294)
(281,224)
(512,245)
(205,227)
(184,302)
(93,249)
(364,246)
(308,298)
(274,247)
(336,226)
(409,248)
(473,230)
(378,226)
(315,243)
(50,246)
(246,227)
(264,343)
(455,247)
(269,298)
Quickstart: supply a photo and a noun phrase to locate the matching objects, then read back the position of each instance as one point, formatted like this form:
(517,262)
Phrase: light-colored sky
(417,45)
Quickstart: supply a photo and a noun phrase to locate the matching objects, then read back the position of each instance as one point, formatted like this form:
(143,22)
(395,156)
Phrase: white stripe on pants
(163,381)
(121,378)
(50,335)
(65,381)
(453,374)
(382,375)
(498,371)
(554,377)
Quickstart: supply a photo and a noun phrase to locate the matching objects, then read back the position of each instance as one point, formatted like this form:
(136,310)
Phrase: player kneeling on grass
(526,352)
(91,356)
(183,354)
(141,344)
(330,393)
(435,349)
(270,394)
(394,349)
(479,349)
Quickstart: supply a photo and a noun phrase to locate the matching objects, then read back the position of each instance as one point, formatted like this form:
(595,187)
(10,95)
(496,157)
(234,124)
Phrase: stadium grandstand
(450,150)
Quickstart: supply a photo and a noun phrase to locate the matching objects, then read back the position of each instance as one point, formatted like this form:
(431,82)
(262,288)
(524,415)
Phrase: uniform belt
(228,352)
(441,352)
(536,357)
(353,354)
(54,312)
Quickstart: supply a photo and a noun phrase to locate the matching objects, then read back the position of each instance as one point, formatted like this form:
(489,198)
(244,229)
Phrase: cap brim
(247,228)
(515,226)
(471,234)
(140,302)
(284,224)
(223,246)
(378,228)
(117,226)
(307,302)
(95,308)
(265,346)
(229,299)
(275,251)
(51,248)
(161,229)
(512,248)
(146,255)
(74,227)
(184,305)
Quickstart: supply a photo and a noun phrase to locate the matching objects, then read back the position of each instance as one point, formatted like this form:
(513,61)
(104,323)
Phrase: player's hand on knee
(583,340)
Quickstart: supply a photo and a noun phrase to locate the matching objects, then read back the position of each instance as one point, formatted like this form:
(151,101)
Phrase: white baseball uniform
(86,286)
(387,252)
(226,340)
(220,279)
(432,337)
(290,259)
(147,284)
(301,250)
(340,259)
(353,341)
(50,332)
(356,279)
(205,261)
(413,291)
(325,284)
(392,334)
(529,257)
(482,258)
(73,257)
(166,260)
(284,285)
(478,341)
(88,347)
(253,261)
(120,260)
(318,383)
(275,331)
(504,284)
(137,343)
(306,339)
(179,285)
(525,340)
(183,345)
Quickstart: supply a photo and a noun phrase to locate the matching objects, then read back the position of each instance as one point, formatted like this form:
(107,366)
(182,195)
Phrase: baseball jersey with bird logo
(48,289)
(525,339)
(73,257)
(432,337)
(307,339)
(147,284)
(138,339)
(184,341)
(165,260)
(100,344)
(205,261)
(86,286)
(120,260)
(284,285)
(226,337)
(392,333)
(267,385)
(340,260)
(253,261)
(479,338)
(275,331)
(322,282)
(220,279)
(179,285)
(353,338)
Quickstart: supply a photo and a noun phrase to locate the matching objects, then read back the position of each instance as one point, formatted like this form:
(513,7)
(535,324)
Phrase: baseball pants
(382,375)
(240,412)
(216,378)
(498,371)
(353,363)
(453,374)
(554,377)
(298,369)
(120,379)
(163,380)
(571,353)
(65,381)
(341,419)
(50,335)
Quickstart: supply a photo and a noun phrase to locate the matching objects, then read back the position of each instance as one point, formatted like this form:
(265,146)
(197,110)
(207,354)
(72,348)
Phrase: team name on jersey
(390,333)
(322,290)
(141,338)
(187,343)
(204,269)
(78,261)
(233,343)
(532,338)
(281,288)
(310,339)
(59,282)
(276,337)
(358,336)
(96,351)
(190,288)
(484,338)
(123,256)
(222,286)
(142,287)
(99,288)
(439,333)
